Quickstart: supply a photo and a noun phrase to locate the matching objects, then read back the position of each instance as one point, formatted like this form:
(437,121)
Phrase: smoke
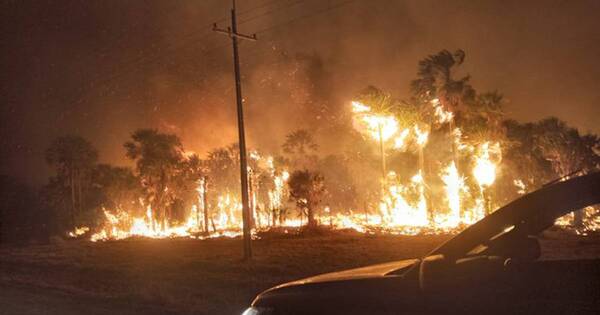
(102,69)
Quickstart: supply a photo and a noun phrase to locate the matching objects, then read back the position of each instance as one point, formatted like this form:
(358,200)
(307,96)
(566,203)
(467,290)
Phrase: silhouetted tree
(192,171)
(300,146)
(380,102)
(341,191)
(435,80)
(223,167)
(118,186)
(307,189)
(158,157)
(564,147)
(522,160)
(566,150)
(74,159)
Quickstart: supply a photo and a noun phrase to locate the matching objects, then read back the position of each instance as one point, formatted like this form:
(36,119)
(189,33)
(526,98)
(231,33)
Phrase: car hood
(373,271)
(332,292)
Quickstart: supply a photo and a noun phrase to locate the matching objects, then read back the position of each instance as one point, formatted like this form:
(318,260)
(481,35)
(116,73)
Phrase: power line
(132,64)
(299,18)
(258,7)
(135,65)
(252,18)
(268,29)
(329,8)
(136,62)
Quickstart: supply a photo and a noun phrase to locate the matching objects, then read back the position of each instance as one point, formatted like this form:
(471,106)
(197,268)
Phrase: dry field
(183,276)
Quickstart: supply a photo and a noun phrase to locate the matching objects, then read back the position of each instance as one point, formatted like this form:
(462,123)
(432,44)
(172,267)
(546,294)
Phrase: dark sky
(101,69)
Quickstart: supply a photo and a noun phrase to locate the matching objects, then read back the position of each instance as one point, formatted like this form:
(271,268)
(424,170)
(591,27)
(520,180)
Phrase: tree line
(166,178)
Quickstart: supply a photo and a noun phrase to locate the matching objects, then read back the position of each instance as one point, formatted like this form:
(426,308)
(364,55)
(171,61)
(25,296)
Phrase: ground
(183,276)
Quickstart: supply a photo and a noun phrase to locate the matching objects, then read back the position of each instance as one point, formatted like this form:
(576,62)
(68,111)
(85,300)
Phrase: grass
(185,275)
(194,276)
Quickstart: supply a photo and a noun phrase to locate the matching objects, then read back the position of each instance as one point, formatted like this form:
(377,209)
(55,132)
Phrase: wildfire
(400,140)
(404,207)
(442,115)
(397,211)
(378,126)
(421,136)
(521,186)
(78,231)
(590,221)
(454,185)
(485,169)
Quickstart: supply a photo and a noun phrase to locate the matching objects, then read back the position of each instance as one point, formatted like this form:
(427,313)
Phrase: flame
(442,115)
(422,136)
(484,170)
(519,183)
(590,221)
(225,218)
(379,127)
(454,185)
(400,140)
(396,211)
(78,231)
(403,208)
(359,107)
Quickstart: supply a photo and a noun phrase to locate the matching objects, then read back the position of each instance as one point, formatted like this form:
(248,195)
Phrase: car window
(570,238)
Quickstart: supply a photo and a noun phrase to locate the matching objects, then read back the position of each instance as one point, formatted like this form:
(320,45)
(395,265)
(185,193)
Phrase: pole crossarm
(229,33)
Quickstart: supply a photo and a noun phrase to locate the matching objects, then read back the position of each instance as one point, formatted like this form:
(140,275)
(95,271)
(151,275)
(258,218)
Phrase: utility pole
(234,35)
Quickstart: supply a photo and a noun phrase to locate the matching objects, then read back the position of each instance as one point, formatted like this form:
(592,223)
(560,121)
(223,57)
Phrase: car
(490,267)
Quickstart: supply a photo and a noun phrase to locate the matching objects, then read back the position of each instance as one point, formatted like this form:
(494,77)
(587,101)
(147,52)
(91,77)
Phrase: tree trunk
(198,225)
(205,203)
(72,184)
(161,203)
(427,189)
(578,218)
(281,216)
(251,202)
(80,190)
(310,214)
(213,225)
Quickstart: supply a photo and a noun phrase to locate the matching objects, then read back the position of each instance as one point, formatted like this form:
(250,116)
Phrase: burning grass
(443,193)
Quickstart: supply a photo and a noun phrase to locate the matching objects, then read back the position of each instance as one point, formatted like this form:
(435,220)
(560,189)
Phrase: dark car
(490,267)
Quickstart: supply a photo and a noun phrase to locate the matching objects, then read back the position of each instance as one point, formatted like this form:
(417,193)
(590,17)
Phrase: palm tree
(380,103)
(307,189)
(157,157)
(73,157)
(192,174)
(119,187)
(223,166)
(566,149)
(301,146)
(435,80)
(299,142)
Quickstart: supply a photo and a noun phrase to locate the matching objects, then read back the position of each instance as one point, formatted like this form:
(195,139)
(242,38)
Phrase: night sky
(101,69)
